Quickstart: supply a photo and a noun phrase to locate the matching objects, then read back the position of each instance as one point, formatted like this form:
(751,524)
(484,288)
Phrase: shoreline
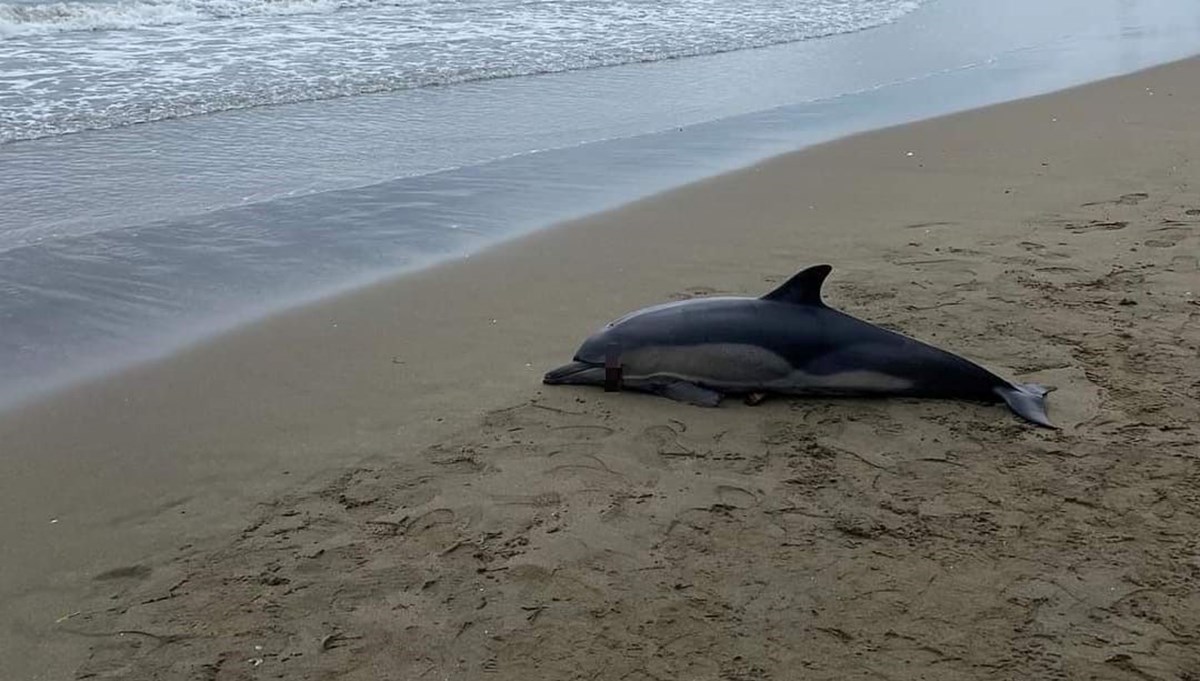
(179,252)
(187,446)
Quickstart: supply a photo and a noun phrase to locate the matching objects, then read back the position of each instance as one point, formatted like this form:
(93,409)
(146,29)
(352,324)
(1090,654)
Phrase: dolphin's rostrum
(787,342)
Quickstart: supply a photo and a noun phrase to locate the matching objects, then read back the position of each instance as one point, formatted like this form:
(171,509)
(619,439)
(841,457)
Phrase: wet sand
(377,486)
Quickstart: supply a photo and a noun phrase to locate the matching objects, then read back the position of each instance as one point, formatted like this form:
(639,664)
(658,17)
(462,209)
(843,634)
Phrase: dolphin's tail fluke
(1028,400)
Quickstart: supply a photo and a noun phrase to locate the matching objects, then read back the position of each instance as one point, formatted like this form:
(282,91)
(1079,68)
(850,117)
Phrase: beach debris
(533,611)
(335,640)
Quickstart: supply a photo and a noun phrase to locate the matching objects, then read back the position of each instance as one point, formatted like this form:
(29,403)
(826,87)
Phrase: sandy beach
(378,487)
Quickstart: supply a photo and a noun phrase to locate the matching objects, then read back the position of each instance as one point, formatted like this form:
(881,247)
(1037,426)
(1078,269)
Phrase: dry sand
(377,487)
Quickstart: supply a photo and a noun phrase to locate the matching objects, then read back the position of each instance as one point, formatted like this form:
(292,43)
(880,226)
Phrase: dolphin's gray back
(775,340)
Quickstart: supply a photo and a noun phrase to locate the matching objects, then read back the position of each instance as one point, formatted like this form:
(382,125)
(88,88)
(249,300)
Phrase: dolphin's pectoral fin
(754,399)
(682,391)
(1027,400)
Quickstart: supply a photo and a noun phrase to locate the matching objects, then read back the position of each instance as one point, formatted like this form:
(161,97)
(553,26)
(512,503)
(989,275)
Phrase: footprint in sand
(1131,199)
(783,432)
(736,497)
(115,658)
(127,572)
(924,225)
(431,519)
(583,432)
(1097,225)
(693,292)
(664,440)
(542,500)
(964,251)
(1185,263)
(1160,243)
(1037,250)
(435,530)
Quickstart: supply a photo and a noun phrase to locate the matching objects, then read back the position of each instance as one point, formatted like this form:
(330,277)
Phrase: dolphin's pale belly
(732,367)
(714,364)
(855,382)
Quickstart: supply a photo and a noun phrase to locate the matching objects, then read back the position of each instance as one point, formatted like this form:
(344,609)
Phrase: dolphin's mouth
(576,373)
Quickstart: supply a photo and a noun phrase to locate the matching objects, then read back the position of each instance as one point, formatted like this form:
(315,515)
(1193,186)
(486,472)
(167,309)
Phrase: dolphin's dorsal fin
(804,288)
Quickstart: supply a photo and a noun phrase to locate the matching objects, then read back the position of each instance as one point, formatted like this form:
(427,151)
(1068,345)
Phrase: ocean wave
(70,82)
(42,19)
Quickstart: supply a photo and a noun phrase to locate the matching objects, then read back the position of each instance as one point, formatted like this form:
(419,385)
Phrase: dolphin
(786,342)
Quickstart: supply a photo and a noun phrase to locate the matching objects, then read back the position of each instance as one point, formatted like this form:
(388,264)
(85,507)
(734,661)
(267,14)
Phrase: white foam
(104,63)
(41,19)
